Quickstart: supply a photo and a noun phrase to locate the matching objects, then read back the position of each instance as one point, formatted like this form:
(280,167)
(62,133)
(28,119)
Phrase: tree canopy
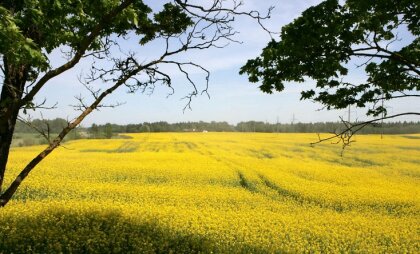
(381,37)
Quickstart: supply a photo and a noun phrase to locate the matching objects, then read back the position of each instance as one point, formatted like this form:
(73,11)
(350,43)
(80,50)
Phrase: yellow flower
(217,192)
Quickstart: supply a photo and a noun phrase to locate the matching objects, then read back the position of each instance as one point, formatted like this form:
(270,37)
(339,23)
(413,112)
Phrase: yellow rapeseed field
(217,192)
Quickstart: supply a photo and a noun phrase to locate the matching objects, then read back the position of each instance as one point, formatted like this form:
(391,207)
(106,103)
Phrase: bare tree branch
(345,137)
(45,133)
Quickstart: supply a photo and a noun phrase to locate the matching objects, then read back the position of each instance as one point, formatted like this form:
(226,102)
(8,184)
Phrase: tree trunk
(7,127)
(11,94)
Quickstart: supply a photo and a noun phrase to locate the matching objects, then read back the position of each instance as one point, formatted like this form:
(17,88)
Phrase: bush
(28,142)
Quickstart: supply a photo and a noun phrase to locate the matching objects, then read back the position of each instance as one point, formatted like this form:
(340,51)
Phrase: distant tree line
(39,131)
(108,130)
(54,125)
(327,127)
(166,127)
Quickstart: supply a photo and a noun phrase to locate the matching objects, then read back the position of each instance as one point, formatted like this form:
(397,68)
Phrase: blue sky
(232,97)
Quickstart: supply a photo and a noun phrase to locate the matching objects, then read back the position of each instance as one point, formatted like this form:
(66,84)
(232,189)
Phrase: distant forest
(107,130)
